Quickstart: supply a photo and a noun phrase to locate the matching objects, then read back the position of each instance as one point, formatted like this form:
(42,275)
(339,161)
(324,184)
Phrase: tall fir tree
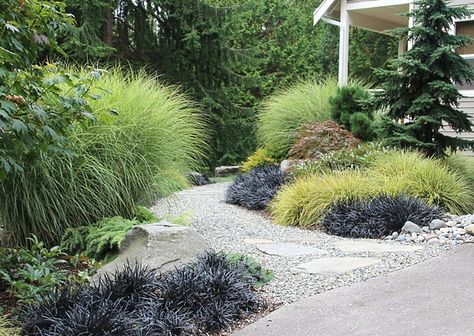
(419,88)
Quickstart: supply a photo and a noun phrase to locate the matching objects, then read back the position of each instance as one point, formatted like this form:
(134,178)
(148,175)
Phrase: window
(465,28)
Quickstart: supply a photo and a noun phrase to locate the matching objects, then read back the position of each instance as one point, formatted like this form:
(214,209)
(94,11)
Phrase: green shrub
(142,152)
(305,201)
(100,240)
(349,108)
(320,138)
(260,158)
(143,215)
(29,274)
(285,111)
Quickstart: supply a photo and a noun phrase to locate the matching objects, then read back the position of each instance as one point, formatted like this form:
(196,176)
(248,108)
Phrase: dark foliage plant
(255,189)
(202,297)
(378,217)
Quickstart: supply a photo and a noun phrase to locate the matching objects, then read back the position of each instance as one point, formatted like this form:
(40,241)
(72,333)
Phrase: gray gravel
(225,227)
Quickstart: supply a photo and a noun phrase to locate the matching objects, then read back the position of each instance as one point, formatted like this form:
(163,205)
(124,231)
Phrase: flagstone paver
(337,265)
(365,246)
(289,249)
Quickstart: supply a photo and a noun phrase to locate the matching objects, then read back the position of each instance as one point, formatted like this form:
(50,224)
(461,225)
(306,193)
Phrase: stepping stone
(254,241)
(365,246)
(288,249)
(336,265)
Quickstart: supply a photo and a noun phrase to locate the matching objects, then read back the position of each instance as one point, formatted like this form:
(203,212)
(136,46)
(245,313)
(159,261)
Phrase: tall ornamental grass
(119,161)
(284,112)
(308,198)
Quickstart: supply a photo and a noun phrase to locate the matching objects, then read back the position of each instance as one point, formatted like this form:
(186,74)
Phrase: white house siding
(466,104)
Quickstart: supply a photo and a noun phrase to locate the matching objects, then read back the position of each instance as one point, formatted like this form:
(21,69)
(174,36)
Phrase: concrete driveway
(434,298)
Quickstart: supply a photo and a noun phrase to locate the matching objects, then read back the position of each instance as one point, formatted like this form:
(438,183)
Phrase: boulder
(411,227)
(437,224)
(198,179)
(227,170)
(470,229)
(161,245)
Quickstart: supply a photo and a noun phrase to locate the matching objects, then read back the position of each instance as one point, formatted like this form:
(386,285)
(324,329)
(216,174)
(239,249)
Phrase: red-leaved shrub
(319,138)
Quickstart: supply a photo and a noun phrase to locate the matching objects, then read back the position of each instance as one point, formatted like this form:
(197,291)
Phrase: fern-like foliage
(99,241)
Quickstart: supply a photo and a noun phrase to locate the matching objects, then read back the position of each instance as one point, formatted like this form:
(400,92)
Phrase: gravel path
(226,227)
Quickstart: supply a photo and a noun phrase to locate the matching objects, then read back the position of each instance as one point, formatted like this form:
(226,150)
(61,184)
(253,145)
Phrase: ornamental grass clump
(142,150)
(413,174)
(378,217)
(257,188)
(195,299)
(285,111)
(305,201)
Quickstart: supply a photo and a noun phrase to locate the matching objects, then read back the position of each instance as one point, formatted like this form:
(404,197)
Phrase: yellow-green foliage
(415,175)
(284,112)
(7,328)
(462,165)
(120,160)
(305,201)
(261,157)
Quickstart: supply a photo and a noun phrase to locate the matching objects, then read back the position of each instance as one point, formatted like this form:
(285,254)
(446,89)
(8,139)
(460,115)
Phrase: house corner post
(344,45)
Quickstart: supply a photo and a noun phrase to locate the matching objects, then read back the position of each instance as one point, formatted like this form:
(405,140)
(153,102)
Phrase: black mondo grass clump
(257,188)
(202,297)
(378,217)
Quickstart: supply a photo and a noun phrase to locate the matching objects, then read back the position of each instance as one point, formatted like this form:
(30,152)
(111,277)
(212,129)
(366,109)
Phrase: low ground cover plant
(140,151)
(358,158)
(285,111)
(257,188)
(26,275)
(305,201)
(202,297)
(377,217)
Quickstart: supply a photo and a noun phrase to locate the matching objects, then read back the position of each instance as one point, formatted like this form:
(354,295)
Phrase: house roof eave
(322,9)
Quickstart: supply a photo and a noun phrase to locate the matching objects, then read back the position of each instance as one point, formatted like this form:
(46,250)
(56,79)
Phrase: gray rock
(227,170)
(437,224)
(285,166)
(411,227)
(420,239)
(337,265)
(161,245)
(288,249)
(395,235)
(434,241)
(426,229)
(431,236)
(401,237)
(198,179)
(470,229)
(451,223)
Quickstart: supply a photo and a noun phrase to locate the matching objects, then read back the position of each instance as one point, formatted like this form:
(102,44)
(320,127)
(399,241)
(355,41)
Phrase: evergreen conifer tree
(419,88)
